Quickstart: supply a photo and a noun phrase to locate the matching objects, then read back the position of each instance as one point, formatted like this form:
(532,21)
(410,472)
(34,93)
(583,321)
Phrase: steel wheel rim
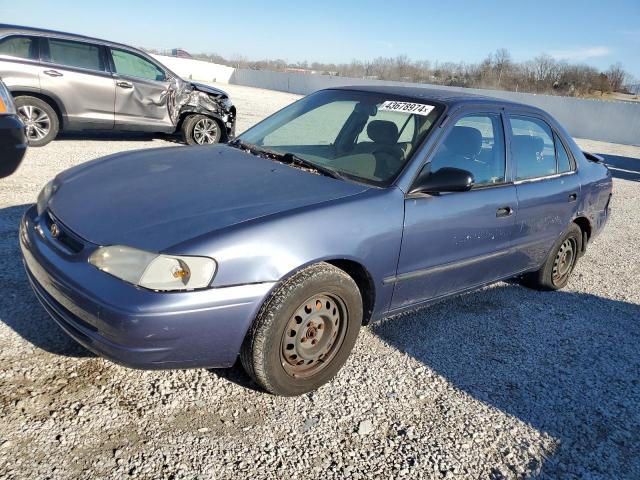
(205,131)
(565,258)
(313,335)
(36,121)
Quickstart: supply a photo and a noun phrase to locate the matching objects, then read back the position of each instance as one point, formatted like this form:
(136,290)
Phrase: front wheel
(559,264)
(304,332)
(201,130)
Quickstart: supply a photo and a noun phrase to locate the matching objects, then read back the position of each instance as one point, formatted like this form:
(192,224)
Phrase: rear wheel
(304,332)
(201,130)
(559,264)
(40,120)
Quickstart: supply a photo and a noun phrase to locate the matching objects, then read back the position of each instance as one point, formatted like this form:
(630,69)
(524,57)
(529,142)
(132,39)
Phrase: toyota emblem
(55,230)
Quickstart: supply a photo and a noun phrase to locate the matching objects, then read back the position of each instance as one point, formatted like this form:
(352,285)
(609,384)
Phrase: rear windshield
(367,136)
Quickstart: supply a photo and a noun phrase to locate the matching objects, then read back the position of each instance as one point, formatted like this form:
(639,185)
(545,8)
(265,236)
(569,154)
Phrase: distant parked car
(62,81)
(13,142)
(346,206)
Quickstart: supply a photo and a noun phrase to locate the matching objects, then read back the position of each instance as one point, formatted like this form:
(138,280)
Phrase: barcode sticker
(406,107)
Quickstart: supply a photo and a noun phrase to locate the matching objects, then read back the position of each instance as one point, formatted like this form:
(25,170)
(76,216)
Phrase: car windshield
(365,136)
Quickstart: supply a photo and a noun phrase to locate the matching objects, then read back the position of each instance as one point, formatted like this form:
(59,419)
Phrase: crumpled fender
(187,97)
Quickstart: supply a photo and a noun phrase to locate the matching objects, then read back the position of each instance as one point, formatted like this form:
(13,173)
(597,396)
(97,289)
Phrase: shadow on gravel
(237,375)
(110,136)
(19,308)
(626,168)
(566,363)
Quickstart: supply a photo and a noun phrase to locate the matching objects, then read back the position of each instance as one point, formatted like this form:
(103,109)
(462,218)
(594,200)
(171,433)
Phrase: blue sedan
(346,206)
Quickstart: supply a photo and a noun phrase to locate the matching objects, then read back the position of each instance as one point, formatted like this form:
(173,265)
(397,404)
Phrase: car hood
(209,89)
(157,198)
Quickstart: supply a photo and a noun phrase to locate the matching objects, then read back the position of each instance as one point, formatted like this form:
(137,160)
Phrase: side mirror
(446,179)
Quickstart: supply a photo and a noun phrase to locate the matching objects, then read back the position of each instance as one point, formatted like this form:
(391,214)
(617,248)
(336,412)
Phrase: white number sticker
(406,107)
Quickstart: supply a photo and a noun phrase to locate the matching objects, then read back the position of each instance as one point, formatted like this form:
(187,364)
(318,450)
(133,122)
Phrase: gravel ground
(502,383)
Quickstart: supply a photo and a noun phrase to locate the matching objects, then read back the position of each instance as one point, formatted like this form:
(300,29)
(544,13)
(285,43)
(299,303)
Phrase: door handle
(573,197)
(123,84)
(504,211)
(52,73)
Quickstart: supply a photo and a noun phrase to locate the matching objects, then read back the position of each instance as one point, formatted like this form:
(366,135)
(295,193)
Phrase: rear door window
(75,54)
(564,162)
(19,47)
(133,65)
(532,148)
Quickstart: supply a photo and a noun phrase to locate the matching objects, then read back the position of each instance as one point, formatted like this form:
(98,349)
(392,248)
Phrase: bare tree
(616,75)
(603,83)
(543,74)
(501,63)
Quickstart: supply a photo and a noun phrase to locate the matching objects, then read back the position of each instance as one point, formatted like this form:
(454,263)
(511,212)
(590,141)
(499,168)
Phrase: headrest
(465,141)
(527,145)
(383,131)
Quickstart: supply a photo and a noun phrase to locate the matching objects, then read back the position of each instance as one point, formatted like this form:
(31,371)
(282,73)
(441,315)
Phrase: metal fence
(617,122)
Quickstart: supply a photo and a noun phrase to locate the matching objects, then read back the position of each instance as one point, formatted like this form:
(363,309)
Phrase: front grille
(65,236)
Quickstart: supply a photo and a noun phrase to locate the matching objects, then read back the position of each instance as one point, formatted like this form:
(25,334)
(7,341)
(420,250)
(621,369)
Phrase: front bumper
(129,325)
(13,144)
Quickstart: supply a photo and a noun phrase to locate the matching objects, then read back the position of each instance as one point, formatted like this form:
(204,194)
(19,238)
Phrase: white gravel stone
(365,427)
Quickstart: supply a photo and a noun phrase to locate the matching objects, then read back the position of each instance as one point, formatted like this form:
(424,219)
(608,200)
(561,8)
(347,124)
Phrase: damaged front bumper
(196,98)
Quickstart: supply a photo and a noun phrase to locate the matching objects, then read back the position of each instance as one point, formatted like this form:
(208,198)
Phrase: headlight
(44,196)
(6,101)
(154,271)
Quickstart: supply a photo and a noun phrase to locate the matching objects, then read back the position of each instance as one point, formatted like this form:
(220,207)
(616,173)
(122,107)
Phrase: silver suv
(62,81)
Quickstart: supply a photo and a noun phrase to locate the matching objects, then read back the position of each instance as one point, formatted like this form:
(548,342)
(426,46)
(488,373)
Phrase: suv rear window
(19,47)
(75,54)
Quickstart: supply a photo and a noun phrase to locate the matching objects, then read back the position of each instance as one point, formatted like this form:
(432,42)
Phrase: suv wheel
(304,332)
(40,120)
(201,130)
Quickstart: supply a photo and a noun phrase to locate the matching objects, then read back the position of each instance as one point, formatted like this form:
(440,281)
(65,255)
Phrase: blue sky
(598,33)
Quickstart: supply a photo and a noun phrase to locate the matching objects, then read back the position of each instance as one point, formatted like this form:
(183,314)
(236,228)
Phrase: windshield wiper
(286,157)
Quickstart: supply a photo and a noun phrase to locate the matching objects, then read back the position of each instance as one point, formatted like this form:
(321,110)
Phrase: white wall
(196,69)
(616,122)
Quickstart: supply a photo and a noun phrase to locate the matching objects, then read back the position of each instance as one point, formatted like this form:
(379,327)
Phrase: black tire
(559,264)
(40,120)
(265,353)
(201,130)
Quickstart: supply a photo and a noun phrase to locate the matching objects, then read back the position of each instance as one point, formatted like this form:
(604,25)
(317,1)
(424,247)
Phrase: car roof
(442,95)
(18,29)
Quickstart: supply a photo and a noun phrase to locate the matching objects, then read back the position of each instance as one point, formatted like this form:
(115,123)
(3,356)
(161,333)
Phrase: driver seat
(384,147)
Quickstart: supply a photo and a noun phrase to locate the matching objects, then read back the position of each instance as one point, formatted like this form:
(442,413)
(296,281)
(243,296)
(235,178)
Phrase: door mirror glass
(446,179)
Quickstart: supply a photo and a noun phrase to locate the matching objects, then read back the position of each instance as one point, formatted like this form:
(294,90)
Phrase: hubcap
(37,123)
(313,335)
(205,131)
(564,260)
